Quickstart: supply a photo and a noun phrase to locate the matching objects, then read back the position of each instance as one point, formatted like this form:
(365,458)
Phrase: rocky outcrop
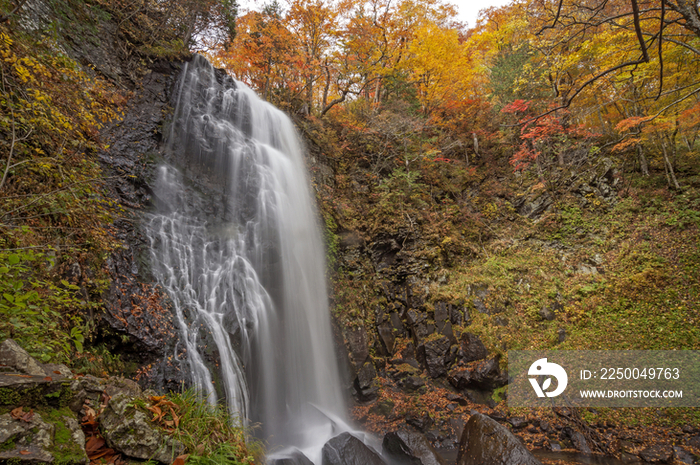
(12,355)
(137,322)
(486,442)
(45,410)
(128,430)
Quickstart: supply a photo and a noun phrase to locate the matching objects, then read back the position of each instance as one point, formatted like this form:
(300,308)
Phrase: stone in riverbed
(486,442)
(410,447)
(657,453)
(346,449)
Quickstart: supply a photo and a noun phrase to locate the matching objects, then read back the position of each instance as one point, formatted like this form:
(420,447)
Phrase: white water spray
(236,244)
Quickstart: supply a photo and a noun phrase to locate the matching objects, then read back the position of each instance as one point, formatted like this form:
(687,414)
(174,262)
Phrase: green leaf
(9,297)
(13,259)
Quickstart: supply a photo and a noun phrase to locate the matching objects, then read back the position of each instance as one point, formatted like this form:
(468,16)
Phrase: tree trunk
(643,163)
(670,175)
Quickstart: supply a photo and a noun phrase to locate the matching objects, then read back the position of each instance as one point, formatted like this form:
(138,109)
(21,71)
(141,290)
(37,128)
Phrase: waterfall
(236,245)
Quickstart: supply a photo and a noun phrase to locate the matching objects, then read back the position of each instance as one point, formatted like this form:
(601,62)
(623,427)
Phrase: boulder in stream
(346,449)
(487,442)
(410,447)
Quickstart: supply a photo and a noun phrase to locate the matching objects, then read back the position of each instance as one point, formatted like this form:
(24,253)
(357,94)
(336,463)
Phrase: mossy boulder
(128,429)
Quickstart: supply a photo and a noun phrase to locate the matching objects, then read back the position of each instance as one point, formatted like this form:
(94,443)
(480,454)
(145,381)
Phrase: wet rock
(346,449)
(683,456)
(295,458)
(694,442)
(27,441)
(365,376)
(131,432)
(12,355)
(457,398)
(397,324)
(480,306)
(386,333)
(477,375)
(471,348)
(443,321)
(410,447)
(366,386)
(457,425)
(357,341)
(420,326)
(486,442)
(657,453)
(420,422)
(434,354)
(518,422)
(628,458)
(412,383)
(579,442)
(459,314)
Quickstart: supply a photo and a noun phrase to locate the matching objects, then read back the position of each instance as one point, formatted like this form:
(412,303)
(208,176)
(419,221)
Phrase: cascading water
(235,243)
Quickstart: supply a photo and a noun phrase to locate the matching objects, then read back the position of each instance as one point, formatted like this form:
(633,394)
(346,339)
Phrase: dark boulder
(412,383)
(683,456)
(477,375)
(420,326)
(385,329)
(357,341)
(434,354)
(471,349)
(365,383)
(410,447)
(486,442)
(419,421)
(346,449)
(295,458)
(443,320)
(657,453)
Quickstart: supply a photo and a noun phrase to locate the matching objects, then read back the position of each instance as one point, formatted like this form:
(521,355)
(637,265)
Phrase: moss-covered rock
(128,430)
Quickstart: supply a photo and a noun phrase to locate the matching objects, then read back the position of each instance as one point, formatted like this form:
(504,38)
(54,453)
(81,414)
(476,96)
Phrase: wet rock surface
(346,449)
(295,458)
(410,447)
(137,319)
(486,442)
